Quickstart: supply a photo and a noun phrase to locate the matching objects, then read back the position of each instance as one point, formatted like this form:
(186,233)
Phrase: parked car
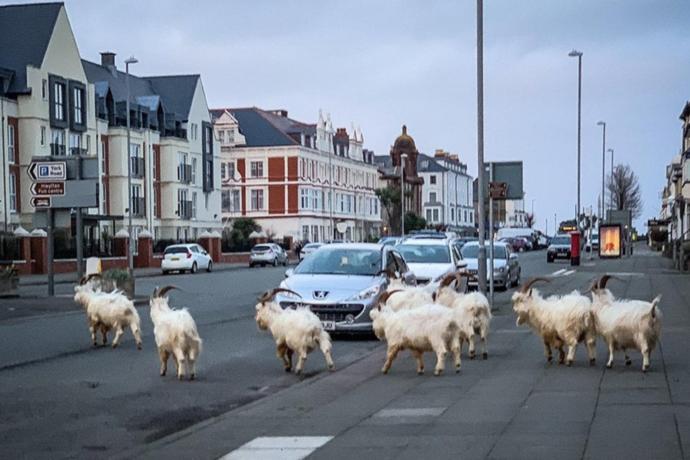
(558,248)
(185,257)
(267,253)
(341,283)
(507,270)
(430,258)
(308,249)
(516,244)
(390,240)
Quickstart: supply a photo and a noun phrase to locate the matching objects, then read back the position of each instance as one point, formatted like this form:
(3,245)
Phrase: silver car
(431,258)
(340,283)
(507,270)
(267,254)
(309,249)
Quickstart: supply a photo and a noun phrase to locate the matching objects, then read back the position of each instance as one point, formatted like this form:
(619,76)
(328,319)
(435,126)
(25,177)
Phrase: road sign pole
(51,277)
(491,238)
(80,229)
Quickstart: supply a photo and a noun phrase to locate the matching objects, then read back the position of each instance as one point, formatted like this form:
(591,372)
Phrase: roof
(177,92)
(262,128)
(25,32)
(104,79)
(431,166)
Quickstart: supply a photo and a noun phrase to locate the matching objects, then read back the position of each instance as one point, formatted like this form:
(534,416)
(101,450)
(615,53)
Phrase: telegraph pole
(481,268)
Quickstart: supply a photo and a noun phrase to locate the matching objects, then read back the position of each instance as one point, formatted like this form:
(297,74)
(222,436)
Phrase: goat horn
(85,279)
(164,290)
(530,282)
(384,297)
(268,295)
(604,279)
(447,279)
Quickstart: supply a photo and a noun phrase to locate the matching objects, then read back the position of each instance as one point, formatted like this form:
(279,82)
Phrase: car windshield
(312,246)
(176,250)
(564,240)
(261,247)
(424,254)
(341,261)
(471,251)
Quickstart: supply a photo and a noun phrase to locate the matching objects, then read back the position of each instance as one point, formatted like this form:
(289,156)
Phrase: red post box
(575,248)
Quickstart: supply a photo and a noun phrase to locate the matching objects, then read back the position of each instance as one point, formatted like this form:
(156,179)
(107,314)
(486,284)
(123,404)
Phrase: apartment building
(299,180)
(447,192)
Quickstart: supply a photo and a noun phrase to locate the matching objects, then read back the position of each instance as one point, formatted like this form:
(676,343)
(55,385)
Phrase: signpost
(48,188)
(40,202)
(48,170)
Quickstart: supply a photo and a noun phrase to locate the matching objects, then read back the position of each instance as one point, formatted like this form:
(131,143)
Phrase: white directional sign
(40,202)
(48,170)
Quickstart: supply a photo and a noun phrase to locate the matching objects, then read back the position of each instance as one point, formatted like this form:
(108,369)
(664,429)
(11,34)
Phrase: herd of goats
(436,318)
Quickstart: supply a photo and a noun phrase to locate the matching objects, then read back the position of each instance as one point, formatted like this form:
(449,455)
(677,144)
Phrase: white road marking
(419,412)
(569,272)
(278,447)
(558,272)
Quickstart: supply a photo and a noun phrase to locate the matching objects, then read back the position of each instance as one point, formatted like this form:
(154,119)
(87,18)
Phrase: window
(432,197)
(256,169)
(428,215)
(155,202)
(193,205)
(59,101)
(452,214)
(134,150)
(435,215)
(304,198)
(74,144)
(225,200)
(235,201)
(57,141)
(193,131)
(471,217)
(231,170)
(104,165)
(77,109)
(231,135)
(137,205)
(432,179)
(208,141)
(193,170)
(44,89)
(10,144)
(222,170)
(465,215)
(221,136)
(13,193)
(257,200)
(43,135)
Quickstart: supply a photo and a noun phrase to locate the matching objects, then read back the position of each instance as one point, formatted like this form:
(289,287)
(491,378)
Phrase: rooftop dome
(404,141)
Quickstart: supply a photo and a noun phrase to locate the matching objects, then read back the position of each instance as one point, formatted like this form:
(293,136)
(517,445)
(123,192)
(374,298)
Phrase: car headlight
(289,295)
(366,293)
(500,269)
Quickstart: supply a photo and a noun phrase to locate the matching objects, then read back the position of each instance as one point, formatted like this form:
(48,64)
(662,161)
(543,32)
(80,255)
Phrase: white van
(528,233)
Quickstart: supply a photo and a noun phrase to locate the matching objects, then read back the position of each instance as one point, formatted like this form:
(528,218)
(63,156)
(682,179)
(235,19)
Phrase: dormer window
(78,107)
(59,102)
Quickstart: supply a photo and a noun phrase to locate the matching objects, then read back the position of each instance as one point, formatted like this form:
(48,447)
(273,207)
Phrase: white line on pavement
(419,412)
(278,447)
(558,272)
(569,272)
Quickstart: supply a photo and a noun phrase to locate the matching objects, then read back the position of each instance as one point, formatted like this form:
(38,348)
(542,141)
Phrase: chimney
(108,59)
(280,112)
(454,157)
(439,153)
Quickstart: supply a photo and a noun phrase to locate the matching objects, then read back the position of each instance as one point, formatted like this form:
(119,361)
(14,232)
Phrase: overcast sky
(382,64)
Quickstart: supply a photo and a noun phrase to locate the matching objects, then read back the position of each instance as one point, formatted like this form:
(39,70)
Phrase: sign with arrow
(498,190)
(48,170)
(40,202)
(48,188)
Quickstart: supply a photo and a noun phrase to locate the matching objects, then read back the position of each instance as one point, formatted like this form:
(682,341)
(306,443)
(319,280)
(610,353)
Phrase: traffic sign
(40,202)
(48,188)
(498,190)
(48,170)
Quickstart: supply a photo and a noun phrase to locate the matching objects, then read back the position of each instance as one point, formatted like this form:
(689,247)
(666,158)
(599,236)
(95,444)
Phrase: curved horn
(155,293)
(530,282)
(82,281)
(605,279)
(447,279)
(593,286)
(85,279)
(384,297)
(269,295)
(164,290)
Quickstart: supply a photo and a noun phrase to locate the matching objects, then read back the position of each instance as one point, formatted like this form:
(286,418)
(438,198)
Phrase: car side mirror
(461,264)
(289,272)
(513,257)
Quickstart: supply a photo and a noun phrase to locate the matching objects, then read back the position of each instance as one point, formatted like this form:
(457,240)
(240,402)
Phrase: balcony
(77,151)
(57,150)
(184,209)
(138,168)
(184,173)
(138,206)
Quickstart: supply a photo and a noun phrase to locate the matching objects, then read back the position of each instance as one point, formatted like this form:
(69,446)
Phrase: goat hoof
(437,373)
(485,355)
(645,368)
(420,372)
(569,363)
(288,369)
(549,359)
(139,347)
(114,345)
(384,371)
(628,362)
(180,377)
(163,374)
(457,370)
(592,361)
(331,368)
(472,355)
(192,377)
(609,365)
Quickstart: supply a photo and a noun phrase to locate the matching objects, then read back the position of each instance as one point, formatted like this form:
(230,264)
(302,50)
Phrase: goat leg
(392,353)
(419,357)
(118,333)
(440,361)
(645,357)
(457,352)
(628,361)
(609,363)
(547,351)
(471,350)
(104,334)
(163,355)
(485,352)
(281,353)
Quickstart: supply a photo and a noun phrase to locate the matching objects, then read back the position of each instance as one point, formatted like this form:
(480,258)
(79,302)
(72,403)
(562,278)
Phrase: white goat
(626,324)
(294,331)
(106,311)
(175,333)
(558,320)
(430,328)
(474,303)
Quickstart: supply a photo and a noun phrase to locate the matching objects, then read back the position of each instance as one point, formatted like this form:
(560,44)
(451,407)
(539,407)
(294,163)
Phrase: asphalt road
(61,398)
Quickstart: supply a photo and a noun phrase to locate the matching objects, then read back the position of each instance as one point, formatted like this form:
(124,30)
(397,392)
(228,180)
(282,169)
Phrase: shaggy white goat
(175,333)
(430,328)
(558,320)
(294,331)
(626,324)
(105,311)
(474,303)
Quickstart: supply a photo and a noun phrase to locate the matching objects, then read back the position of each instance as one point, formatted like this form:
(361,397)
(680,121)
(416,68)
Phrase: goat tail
(655,307)
(324,340)
(590,322)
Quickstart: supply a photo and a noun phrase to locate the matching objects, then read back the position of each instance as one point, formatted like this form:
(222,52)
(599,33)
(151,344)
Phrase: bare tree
(624,190)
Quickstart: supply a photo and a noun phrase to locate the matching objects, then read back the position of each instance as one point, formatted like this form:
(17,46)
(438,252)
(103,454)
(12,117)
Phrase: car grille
(422,281)
(333,312)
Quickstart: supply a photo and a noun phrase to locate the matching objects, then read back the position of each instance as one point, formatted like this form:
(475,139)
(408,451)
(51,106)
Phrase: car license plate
(328,325)
(174,258)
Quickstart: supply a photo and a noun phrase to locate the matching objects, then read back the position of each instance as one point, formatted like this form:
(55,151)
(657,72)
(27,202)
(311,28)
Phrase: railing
(57,150)
(74,151)
(138,167)
(184,173)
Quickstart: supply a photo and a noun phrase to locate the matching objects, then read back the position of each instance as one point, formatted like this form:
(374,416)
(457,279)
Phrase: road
(61,398)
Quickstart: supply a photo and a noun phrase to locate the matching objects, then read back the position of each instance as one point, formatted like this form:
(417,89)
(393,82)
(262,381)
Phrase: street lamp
(481,256)
(603,165)
(578,55)
(403,157)
(130,256)
(611,151)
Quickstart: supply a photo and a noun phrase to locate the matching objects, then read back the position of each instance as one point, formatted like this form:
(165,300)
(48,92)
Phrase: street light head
(131,60)
(575,53)
(601,123)
(610,150)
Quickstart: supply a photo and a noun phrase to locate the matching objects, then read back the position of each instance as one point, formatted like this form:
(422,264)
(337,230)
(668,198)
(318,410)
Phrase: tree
(529,218)
(238,239)
(389,197)
(624,190)
(414,222)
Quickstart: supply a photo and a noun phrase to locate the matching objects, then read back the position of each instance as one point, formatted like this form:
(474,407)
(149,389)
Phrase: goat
(626,324)
(294,331)
(105,311)
(175,333)
(475,303)
(558,320)
(427,328)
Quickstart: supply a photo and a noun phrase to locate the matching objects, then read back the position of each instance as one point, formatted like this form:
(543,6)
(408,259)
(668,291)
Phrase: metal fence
(9,246)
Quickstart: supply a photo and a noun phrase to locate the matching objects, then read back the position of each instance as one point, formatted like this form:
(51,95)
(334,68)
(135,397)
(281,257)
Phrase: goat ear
(433,296)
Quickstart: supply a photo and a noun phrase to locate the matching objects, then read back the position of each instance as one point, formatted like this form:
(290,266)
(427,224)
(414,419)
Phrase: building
(282,173)
(515,214)
(53,105)
(174,158)
(404,151)
(447,200)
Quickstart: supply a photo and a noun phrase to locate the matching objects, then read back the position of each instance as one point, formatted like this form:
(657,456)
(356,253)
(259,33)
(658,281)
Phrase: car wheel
(210,266)
(285,262)
(165,272)
(194,268)
(275,262)
(549,260)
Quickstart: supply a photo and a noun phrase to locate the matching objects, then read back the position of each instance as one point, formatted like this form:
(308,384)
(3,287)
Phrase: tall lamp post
(130,256)
(403,157)
(481,186)
(611,152)
(603,166)
(578,55)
